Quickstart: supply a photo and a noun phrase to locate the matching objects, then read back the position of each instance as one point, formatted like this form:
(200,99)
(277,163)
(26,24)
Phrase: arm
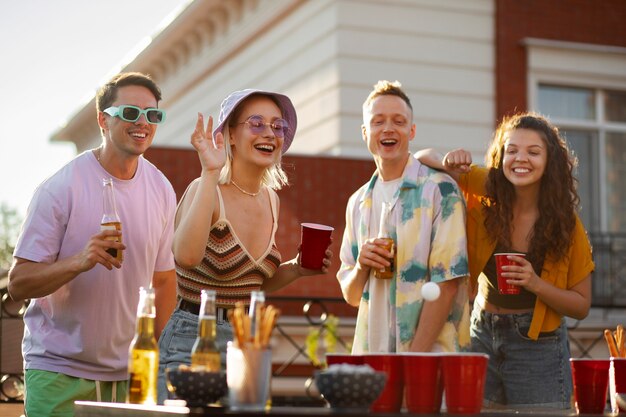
(357,262)
(28,279)
(352,285)
(572,297)
(164,284)
(371,255)
(433,317)
(454,163)
(292,270)
(573,302)
(195,214)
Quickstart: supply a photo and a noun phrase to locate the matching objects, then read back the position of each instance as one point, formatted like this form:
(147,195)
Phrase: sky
(54,54)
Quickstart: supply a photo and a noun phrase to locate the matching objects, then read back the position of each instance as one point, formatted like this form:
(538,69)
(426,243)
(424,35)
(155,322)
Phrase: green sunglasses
(130,113)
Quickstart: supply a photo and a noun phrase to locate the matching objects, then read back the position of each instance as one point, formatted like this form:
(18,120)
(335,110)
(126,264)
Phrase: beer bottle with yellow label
(383,233)
(205,354)
(143,358)
(110,218)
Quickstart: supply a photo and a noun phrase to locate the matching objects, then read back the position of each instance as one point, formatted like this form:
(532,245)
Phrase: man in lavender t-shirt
(81,318)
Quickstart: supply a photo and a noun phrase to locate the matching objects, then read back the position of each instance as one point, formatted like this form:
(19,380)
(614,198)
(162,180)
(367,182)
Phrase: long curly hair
(558,199)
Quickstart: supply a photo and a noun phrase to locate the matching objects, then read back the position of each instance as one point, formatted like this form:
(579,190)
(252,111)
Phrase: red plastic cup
(390,400)
(617,382)
(591,383)
(423,382)
(338,358)
(464,377)
(502,260)
(314,242)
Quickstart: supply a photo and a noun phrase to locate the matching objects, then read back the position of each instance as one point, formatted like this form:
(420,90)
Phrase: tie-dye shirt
(428,225)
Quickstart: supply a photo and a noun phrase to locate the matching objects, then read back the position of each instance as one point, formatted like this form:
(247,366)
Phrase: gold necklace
(244,191)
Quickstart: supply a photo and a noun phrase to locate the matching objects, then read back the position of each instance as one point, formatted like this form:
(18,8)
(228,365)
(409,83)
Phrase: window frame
(595,67)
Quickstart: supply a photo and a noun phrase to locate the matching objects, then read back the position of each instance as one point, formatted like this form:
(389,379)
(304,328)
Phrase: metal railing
(318,312)
(11,329)
(609,277)
(609,291)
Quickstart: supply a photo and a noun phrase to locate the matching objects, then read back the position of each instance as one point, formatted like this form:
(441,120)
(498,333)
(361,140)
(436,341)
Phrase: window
(594,123)
(582,88)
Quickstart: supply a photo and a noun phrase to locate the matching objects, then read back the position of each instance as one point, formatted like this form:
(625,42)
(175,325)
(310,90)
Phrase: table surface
(101,409)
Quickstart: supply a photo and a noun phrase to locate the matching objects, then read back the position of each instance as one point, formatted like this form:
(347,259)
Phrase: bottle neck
(384,218)
(257,304)
(109,210)
(146,312)
(145,326)
(207,328)
(207,317)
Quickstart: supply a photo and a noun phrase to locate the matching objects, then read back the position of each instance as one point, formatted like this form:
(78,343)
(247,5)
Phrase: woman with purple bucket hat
(227,219)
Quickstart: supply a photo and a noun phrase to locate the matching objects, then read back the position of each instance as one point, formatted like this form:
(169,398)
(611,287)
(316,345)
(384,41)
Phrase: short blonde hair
(386,88)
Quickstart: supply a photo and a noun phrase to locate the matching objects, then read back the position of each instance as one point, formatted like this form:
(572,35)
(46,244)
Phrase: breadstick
(260,332)
(268,325)
(258,326)
(608,335)
(232,317)
(247,328)
(240,319)
(273,318)
(621,350)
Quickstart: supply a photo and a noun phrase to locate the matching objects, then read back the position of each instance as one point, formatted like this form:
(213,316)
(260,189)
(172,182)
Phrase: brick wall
(319,190)
(584,21)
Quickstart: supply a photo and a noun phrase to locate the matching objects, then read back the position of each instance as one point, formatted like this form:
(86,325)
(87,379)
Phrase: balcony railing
(609,277)
(306,314)
(11,331)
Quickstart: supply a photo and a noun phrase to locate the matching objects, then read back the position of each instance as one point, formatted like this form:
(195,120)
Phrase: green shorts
(52,394)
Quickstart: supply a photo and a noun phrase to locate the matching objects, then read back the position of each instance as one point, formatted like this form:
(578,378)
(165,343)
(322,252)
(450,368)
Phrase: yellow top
(562,273)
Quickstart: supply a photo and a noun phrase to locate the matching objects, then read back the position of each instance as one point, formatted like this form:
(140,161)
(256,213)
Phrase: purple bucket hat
(232,101)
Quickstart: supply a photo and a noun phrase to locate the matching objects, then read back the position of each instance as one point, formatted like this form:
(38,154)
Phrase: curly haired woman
(524,201)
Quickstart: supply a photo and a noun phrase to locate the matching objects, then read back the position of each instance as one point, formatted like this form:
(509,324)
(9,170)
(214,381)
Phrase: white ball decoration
(430,291)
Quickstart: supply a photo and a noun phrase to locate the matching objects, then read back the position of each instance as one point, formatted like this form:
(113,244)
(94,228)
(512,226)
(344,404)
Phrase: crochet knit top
(227,267)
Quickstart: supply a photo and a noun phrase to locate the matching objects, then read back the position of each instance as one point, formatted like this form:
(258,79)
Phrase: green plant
(312,343)
(327,331)
(330,335)
(10,222)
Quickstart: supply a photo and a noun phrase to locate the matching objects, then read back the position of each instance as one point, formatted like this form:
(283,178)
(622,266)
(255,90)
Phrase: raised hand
(211,152)
(458,160)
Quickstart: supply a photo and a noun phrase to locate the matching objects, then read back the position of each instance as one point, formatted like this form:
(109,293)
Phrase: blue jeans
(522,372)
(177,340)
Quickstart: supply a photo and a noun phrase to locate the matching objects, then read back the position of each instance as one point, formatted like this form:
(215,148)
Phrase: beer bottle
(257,303)
(143,358)
(204,353)
(256,313)
(110,218)
(383,233)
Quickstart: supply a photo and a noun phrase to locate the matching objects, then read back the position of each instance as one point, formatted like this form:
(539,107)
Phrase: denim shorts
(177,340)
(522,373)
